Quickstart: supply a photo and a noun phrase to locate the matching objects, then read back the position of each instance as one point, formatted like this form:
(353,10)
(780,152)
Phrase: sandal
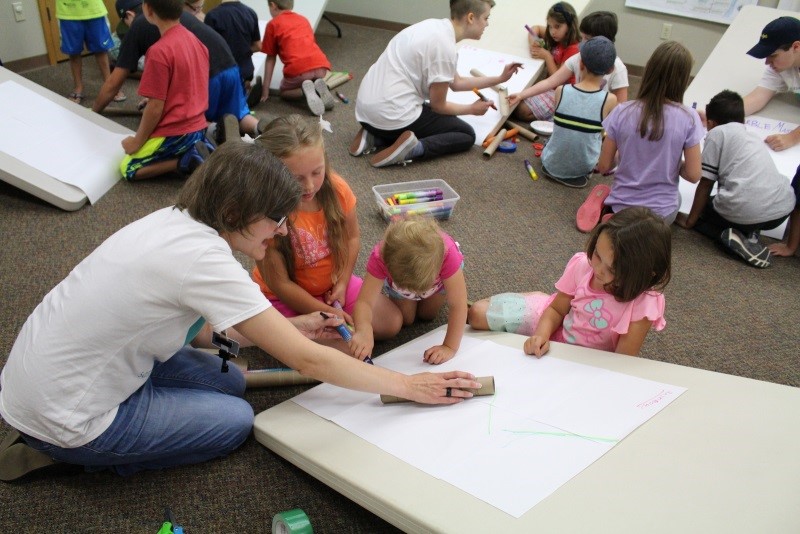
(592,208)
(120,97)
(76,97)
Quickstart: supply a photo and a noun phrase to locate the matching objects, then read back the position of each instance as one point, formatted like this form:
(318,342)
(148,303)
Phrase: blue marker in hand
(345,332)
(342,329)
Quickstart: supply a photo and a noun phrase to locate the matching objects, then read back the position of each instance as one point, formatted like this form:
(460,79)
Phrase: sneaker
(753,252)
(193,158)
(589,213)
(229,130)
(363,143)
(396,153)
(577,183)
(312,98)
(254,96)
(324,94)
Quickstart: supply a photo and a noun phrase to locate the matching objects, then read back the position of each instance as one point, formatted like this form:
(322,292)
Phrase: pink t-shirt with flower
(596,319)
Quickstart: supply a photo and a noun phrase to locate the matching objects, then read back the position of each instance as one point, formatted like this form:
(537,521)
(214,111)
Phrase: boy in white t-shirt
(780,46)
(402,101)
(597,24)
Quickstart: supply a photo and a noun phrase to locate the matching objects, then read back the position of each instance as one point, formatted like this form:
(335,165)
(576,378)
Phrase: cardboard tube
(489,152)
(509,134)
(479,74)
(524,132)
(260,378)
(337,80)
(504,109)
(487,388)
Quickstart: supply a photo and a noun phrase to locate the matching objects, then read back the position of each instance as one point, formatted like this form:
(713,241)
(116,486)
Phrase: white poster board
(490,64)
(58,142)
(548,420)
(721,11)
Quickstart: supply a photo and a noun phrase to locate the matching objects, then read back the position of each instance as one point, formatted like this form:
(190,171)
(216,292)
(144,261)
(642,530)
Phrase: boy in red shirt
(171,134)
(290,37)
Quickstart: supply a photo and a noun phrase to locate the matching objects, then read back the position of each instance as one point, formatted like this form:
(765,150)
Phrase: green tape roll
(291,522)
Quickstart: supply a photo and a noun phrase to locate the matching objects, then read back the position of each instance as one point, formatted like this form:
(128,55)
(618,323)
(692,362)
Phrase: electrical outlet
(666,31)
(19,14)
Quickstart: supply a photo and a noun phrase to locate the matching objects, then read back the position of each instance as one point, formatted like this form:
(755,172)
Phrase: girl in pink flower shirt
(608,297)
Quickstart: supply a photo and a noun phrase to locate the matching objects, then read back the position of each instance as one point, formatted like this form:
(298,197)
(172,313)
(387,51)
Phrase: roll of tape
(291,522)
(507,147)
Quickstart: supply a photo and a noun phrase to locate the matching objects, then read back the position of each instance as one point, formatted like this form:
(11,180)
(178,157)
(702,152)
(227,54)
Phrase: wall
(404,12)
(635,46)
(21,40)
(638,36)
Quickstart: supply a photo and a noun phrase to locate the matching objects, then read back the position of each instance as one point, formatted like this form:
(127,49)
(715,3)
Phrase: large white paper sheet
(786,161)
(548,420)
(58,142)
(490,64)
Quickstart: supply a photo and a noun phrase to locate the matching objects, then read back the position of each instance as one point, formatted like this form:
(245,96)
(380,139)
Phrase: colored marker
(342,97)
(529,167)
(480,95)
(530,31)
(418,194)
(342,329)
(419,200)
(338,306)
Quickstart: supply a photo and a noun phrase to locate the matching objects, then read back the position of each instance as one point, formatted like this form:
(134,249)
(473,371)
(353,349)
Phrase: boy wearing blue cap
(779,45)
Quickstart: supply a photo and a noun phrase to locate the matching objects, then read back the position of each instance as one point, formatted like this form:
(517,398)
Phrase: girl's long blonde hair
(285,136)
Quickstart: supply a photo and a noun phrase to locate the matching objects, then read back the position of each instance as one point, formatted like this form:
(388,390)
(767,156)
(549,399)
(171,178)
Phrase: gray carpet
(517,235)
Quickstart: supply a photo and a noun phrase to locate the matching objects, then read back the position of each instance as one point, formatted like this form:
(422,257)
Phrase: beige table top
(35,182)
(723,457)
(729,67)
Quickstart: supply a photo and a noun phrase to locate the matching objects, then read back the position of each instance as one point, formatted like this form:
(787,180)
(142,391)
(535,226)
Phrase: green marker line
(491,410)
(560,435)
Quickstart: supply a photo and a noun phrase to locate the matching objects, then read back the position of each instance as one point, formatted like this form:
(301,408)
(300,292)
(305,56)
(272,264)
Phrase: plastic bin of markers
(430,206)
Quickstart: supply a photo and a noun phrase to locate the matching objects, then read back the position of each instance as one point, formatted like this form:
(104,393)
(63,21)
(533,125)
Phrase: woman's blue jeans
(187,412)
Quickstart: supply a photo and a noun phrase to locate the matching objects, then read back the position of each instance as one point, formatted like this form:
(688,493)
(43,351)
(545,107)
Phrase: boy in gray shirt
(752,195)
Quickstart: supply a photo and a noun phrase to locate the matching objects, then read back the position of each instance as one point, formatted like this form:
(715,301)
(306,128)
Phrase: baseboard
(28,63)
(364,21)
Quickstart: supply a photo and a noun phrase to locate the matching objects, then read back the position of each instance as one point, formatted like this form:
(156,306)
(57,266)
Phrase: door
(52,34)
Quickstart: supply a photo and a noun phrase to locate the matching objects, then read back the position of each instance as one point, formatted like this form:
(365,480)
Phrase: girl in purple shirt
(608,298)
(650,135)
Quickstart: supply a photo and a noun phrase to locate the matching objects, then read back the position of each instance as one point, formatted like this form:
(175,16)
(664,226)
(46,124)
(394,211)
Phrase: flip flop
(589,213)
(76,97)
(120,97)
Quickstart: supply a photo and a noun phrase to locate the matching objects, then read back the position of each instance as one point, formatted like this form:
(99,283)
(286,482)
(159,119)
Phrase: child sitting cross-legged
(574,148)
(752,195)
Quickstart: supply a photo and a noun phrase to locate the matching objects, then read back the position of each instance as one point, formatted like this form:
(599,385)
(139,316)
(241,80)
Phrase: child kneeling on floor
(171,134)
(419,267)
(608,298)
(752,195)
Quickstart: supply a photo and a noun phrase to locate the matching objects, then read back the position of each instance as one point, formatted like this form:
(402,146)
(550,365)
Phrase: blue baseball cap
(779,32)
(126,5)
